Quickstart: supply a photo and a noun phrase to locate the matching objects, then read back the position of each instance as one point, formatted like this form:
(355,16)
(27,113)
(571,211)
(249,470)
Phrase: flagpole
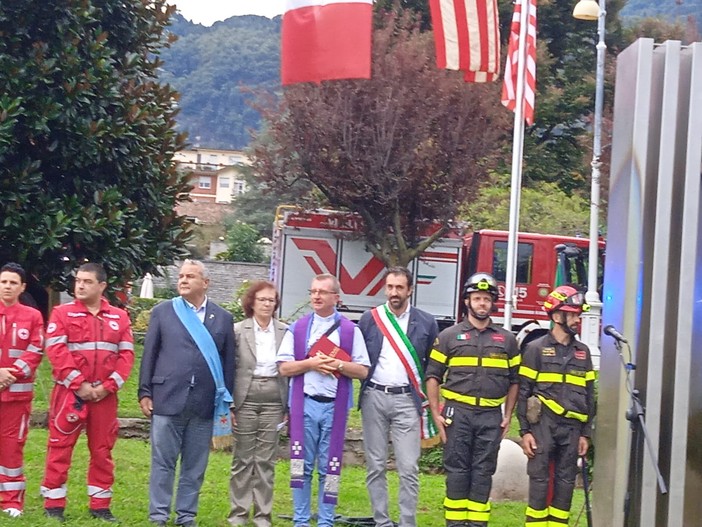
(517,153)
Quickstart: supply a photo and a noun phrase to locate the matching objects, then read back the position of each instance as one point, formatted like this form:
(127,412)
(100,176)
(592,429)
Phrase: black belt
(396,390)
(321,398)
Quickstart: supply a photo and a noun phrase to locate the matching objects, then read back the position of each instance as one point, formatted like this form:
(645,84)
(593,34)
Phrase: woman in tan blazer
(260,402)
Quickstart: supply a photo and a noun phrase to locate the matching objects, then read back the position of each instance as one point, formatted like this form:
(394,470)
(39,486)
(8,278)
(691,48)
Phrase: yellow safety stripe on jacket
(464,361)
(437,356)
(559,410)
(486,362)
(526,371)
(568,378)
(469,399)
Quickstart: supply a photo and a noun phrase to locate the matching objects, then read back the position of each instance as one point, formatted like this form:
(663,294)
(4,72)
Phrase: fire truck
(307,243)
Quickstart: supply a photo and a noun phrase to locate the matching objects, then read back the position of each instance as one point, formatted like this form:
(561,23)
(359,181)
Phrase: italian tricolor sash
(391,330)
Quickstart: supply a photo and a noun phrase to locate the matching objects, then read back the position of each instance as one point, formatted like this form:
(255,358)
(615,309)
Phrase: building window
(205,182)
(239,187)
(224,182)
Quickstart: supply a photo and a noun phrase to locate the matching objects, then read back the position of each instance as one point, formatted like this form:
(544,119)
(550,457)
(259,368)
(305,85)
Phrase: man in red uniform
(21,336)
(90,346)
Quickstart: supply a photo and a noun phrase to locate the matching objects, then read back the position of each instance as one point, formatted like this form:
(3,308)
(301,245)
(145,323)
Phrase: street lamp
(591,10)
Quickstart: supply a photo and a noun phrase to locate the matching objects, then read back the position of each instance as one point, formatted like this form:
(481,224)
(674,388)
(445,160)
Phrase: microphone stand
(636,416)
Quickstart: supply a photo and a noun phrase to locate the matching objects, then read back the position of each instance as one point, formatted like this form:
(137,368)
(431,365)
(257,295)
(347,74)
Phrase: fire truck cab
(543,262)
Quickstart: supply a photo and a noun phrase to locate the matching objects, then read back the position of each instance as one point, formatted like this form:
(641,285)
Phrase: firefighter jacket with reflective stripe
(21,345)
(478,366)
(83,347)
(562,377)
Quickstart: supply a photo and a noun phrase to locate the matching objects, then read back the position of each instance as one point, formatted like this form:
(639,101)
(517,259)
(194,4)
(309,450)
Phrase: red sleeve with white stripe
(64,367)
(125,358)
(27,363)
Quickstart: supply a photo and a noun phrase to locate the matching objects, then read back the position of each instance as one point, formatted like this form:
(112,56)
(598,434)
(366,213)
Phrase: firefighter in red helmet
(555,407)
(474,365)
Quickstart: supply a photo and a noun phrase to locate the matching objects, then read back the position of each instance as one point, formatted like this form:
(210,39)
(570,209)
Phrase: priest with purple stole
(321,352)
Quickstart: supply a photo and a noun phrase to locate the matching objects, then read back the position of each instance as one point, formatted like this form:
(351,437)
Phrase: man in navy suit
(399,339)
(177,391)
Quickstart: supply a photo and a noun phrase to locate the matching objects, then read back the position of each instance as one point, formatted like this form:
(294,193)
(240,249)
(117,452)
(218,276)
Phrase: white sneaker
(12,512)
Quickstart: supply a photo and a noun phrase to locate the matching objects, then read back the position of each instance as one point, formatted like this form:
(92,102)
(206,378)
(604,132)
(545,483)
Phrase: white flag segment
(467,37)
(509,88)
(326,40)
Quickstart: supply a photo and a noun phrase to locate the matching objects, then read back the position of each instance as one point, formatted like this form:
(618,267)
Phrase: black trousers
(470,459)
(557,441)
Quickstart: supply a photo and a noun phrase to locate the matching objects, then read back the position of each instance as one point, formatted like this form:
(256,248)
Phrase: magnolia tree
(403,149)
(87,139)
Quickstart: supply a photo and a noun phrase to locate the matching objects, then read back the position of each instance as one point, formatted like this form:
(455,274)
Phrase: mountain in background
(210,66)
(669,9)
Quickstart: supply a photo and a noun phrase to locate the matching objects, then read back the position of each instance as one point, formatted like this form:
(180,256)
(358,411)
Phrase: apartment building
(215,174)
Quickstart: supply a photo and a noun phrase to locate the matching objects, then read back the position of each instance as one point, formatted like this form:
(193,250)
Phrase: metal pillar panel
(664,251)
(687,428)
(653,289)
(622,275)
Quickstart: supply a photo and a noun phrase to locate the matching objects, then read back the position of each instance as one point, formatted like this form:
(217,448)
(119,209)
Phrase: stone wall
(225,278)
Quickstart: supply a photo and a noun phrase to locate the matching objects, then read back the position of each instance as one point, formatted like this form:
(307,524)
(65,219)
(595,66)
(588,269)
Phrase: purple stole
(297,418)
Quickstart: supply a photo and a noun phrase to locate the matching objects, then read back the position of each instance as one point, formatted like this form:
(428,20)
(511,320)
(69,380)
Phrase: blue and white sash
(206,344)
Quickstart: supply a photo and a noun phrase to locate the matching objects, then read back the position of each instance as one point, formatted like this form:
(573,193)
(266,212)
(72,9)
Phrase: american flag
(509,88)
(467,37)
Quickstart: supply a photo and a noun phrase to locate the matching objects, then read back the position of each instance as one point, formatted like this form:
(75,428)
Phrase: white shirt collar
(200,309)
(404,314)
(257,326)
(331,317)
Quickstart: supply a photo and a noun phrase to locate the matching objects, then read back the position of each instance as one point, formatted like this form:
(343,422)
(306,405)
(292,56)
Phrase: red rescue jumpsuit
(98,349)
(21,336)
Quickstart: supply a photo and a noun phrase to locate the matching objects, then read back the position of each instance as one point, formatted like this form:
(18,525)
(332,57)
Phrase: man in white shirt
(399,339)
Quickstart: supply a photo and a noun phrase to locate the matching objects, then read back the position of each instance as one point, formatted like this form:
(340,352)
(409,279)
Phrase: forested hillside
(670,9)
(209,66)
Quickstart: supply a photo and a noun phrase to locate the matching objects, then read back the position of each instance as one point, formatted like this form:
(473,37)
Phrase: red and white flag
(509,88)
(325,40)
(467,37)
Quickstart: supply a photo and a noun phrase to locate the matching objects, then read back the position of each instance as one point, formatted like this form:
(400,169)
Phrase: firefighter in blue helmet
(555,408)
(476,363)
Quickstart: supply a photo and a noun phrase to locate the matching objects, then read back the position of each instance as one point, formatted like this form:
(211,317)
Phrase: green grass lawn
(130,502)
(132,459)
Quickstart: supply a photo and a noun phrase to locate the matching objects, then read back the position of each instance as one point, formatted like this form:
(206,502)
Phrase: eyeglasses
(322,292)
(265,300)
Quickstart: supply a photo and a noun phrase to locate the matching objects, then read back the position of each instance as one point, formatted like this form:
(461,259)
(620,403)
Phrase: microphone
(611,331)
